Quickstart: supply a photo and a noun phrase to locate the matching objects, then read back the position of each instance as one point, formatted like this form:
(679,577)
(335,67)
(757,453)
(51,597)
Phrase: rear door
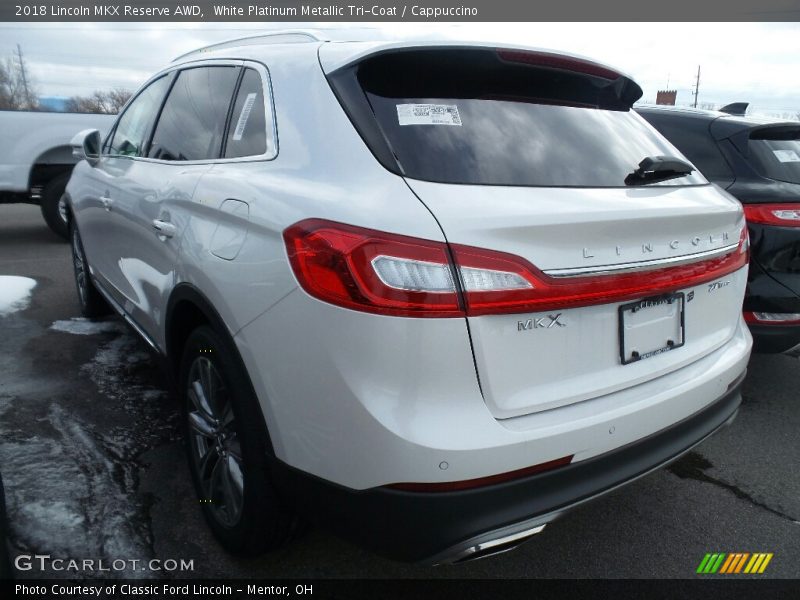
(527,154)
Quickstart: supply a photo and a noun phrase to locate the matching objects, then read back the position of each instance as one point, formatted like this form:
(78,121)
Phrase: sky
(754,62)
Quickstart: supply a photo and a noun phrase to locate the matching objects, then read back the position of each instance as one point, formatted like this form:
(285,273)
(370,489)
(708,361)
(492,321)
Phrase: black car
(757,161)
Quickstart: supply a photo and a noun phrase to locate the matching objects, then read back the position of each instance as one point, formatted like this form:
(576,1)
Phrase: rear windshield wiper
(658,168)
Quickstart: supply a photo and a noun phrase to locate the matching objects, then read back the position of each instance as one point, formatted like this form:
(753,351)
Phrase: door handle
(164,228)
(106,202)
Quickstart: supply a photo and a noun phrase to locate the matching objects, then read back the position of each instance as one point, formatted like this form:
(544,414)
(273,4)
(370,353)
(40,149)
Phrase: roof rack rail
(735,108)
(281,36)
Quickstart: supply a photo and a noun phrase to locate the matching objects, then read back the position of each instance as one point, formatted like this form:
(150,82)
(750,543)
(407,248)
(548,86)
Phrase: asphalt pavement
(93,464)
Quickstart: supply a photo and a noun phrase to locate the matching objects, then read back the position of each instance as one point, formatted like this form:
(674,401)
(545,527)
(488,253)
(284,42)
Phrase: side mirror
(86,146)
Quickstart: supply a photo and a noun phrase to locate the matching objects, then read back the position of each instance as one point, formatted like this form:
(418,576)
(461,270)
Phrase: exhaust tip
(493,546)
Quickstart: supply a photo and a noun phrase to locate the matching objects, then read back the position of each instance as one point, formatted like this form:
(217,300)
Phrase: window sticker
(786,156)
(243,116)
(428,114)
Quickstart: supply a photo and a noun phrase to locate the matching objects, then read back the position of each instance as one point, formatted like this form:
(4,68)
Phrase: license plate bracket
(651,326)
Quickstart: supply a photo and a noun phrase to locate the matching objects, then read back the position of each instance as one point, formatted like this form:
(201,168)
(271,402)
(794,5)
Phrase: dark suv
(758,161)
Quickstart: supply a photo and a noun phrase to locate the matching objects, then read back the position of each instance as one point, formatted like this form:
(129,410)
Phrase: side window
(247,135)
(696,144)
(193,120)
(134,125)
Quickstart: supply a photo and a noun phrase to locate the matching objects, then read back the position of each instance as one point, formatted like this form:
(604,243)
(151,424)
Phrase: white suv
(430,295)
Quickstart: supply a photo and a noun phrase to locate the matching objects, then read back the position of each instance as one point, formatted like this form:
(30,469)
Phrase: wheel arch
(49,164)
(187,309)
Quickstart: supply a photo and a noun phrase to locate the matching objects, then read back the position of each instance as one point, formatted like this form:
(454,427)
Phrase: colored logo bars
(736,562)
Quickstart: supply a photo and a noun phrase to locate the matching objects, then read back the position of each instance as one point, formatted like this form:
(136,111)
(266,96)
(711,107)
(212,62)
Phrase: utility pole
(24,77)
(697,86)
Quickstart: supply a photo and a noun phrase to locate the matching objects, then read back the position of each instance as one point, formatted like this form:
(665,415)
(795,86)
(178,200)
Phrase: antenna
(697,86)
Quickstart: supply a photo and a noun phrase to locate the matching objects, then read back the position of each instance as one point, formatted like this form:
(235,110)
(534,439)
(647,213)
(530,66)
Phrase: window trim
(269,112)
(269,115)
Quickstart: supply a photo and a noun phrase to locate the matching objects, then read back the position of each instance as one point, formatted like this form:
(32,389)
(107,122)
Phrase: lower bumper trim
(454,526)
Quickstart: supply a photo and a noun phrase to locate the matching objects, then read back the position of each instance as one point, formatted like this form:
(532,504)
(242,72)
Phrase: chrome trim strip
(644,265)
(122,313)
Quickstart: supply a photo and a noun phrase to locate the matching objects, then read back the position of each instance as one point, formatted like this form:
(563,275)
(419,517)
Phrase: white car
(36,158)
(429,295)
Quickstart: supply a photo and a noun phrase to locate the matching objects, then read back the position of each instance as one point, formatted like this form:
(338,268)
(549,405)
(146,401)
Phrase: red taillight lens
(784,215)
(390,274)
(547,292)
(344,265)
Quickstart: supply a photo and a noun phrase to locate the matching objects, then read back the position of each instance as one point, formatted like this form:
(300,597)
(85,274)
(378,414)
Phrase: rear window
(776,154)
(472,117)
(247,135)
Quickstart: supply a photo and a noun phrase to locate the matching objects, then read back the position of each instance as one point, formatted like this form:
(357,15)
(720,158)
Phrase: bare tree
(17,89)
(100,101)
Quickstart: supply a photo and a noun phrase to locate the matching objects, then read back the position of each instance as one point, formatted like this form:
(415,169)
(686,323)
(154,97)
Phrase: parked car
(758,161)
(36,158)
(429,295)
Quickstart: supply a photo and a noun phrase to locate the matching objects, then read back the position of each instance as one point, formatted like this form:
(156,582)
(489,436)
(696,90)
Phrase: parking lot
(93,463)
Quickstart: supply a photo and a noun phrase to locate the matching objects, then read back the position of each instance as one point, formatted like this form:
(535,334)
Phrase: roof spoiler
(735,108)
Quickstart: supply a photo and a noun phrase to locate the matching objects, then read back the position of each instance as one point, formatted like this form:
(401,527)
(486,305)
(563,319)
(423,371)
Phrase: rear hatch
(522,157)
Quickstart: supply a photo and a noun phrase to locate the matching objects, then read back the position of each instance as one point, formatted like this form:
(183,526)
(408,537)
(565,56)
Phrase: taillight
(373,271)
(765,318)
(546,292)
(391,274)
(785,215)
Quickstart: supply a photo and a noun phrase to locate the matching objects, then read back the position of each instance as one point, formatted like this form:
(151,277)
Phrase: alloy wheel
(215,447)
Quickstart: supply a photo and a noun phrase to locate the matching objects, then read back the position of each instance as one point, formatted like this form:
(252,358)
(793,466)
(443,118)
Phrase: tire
(227,445)
(53,211)
(92,303)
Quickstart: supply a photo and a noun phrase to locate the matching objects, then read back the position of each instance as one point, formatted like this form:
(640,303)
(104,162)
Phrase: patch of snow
(64,494)
(15,293)
(71,485)
(82,326)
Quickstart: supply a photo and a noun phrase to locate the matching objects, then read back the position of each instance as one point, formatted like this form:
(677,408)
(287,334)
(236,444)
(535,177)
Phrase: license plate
(650,327)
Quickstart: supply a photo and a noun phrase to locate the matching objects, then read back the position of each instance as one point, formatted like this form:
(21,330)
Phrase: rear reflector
(468,484)
(557,61)
(764,318)
(389,274)
(785,215)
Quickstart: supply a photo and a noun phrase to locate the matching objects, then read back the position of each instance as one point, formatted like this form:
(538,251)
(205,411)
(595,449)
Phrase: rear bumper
(448,526)
(775,338)
(766,294)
